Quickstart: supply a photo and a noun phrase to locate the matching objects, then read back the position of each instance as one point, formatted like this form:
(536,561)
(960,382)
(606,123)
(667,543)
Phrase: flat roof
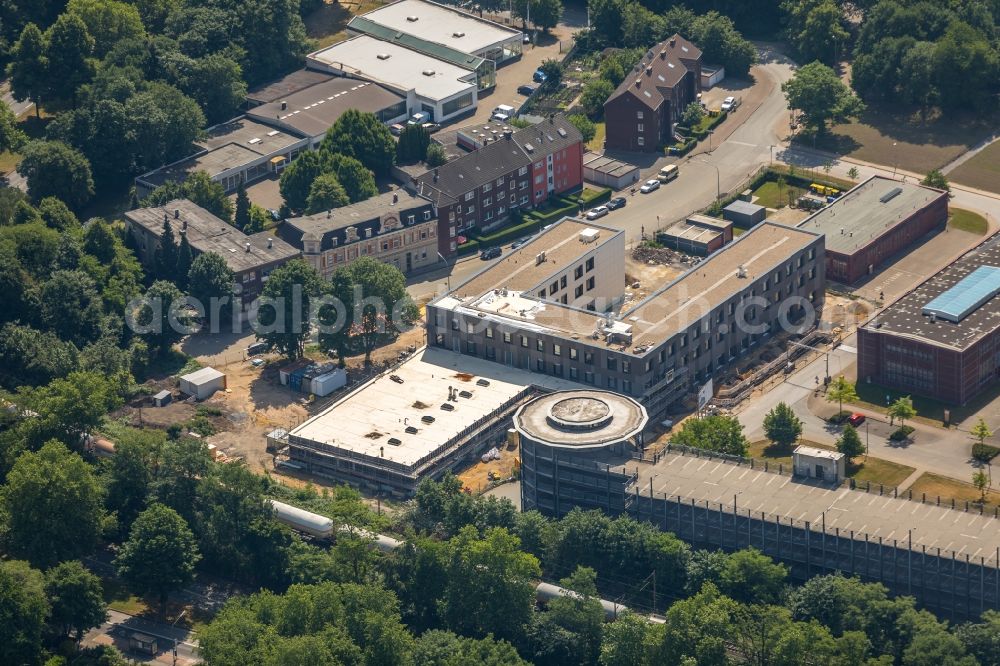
(287,85)
(906,316)
(364,421)
(207,233)
(203,376)
(869,210)
(969,293)
(442,25)
(814,452)
(455,56)
(397,67)
(607,165)
(580,419)
(518,270)
(848,510)
(228,145)
(744,207)
(313,110)
(692,232)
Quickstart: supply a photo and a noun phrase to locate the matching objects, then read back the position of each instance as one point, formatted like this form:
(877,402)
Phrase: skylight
(967,295)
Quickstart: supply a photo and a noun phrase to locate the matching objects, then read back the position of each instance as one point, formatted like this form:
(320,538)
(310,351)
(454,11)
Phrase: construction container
(203,383)
(326,384)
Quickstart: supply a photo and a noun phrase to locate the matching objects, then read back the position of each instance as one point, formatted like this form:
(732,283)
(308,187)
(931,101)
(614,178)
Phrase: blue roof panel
(967,295)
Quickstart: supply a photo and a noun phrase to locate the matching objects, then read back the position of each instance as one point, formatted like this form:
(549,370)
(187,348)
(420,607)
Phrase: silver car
(650,186)
(595,213)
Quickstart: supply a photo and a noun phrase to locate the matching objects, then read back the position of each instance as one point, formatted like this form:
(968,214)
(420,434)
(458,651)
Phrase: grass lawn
(118,598)
(966,220)
(874,470)
(890,137)
(8,161)
(982,171)
(935,485)
(328,24)
(597,143)
(770,195)
(928,411)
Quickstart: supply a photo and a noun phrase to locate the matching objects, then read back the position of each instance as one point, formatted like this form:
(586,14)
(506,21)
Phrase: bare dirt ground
(649,277)
(476,477)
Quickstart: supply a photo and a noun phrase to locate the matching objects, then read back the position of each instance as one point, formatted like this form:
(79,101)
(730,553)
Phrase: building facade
(252,258)
(519,171)
(641,113)
(517,313)
(949,353)
(396,228)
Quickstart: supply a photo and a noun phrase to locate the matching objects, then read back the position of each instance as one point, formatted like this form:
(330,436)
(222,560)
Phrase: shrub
(901,433)
(839,417)
(984,452)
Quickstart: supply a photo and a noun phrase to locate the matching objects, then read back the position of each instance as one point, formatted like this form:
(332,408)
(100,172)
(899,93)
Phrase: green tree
(982,639)
(165,256)
(606,19)
(626,641)
(489,584)
(816,29)
(595,93)
(71,307)
(582,615)
(585,125)
(298,177)
(153,314)
(849,443)
(23,607)
(11,136)
(77,598)
(853,173)
(29,357)
(840,391)
(553,70)
(378,303)
(211,280)
(184,261)
(717,37)
(53,169)
(821,96)
(68,51)
(286,305)
(840,603)
(722,434)
(752,577)
(70,407)
(981,432)
(981,482)
(216,83)
(53,506)
(210,195)
(436,155)
(412,145)
(159,555)
(902,409)
(356,178)
(936,179)
(129,475)
(241,219)
(697,629)
(965,67)
(326,193)
(443,648)
(57,215)
(28,67)
(543,14)
(782,426)
(109,22)
(362,136)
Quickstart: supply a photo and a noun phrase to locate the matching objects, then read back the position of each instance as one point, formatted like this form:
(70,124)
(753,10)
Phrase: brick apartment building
(519,170)
(250,257)
(396,228)
(875,221)
(941,340)
(641,113)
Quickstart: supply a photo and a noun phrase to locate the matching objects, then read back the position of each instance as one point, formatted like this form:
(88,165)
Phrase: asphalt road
(120,626)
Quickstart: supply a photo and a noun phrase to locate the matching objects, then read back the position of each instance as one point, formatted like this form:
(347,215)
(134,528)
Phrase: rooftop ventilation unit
(427,419)
(395,441)
(411,430)
(891,194)
(539,258)
(562,132)
(428,72)
(458,34)
(254,141)
(448,407)
(482,382)
(741,271)
(382,56)
(530,148)
(589,235)
(412,19)
(465,394)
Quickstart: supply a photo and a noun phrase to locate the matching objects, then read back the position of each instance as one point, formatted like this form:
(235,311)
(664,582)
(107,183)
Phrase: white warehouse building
(430,85)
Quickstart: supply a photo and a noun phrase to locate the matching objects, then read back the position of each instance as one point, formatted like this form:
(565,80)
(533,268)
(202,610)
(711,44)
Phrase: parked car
(527,90)
(650,186)
(431,127)
(539,76)
(419,118)
(490,253)
(503,113)
(730,104)
(595,213)
(396,129)
(856,419)
(519,242)
(668,173)
(616,203)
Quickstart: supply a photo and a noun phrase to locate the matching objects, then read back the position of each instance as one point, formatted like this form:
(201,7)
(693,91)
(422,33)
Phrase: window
(612,383)
(562,282)
(506,337)
(590,283)
(470,328)
(427,215)
(578,273)
(489,333)
(540,345)
(612,363)
(641,141)
(500,181)
(588,377)
(470,347)
(557,369)
(411,219)
(491,353)
(627,385)
(626,367)
(588,358)
(573,373)
(487,201)
(470,210)
(454,324)
(638,115)
(524,341)
(487,187)
(557,350)
(540,365)
(639,127)
(573,355)
(590,264)
(578,292)
(523,171)
(554,287)
(469,196)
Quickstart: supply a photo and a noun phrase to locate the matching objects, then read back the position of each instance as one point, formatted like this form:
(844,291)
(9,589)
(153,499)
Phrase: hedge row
(595,197)
(984,452)
(468,247)
(683,148)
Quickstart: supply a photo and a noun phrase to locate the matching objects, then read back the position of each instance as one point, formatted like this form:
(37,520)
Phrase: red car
(856,419)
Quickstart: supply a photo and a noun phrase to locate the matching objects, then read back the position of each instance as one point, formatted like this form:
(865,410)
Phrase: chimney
(649,70)
(395,197)
(184,224)
(247,246)
(552,119)
(166,218)
(663,54)
(284,106)
(437,172)
(270,243)
(673,41)
(177,213)
(329,214)
(381,452)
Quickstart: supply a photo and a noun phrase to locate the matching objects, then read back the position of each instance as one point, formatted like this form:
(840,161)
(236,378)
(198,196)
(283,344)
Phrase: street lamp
(718,180)
(737,493)
(772,155)
(710,133)
(173,624)
(895,161)
(448,276)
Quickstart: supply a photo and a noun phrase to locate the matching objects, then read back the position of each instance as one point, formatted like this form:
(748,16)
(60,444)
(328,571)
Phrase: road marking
(745,472)
(742,143)
(969,536)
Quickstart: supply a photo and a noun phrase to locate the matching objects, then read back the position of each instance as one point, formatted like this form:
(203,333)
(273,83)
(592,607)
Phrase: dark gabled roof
(663,67)
(498,158)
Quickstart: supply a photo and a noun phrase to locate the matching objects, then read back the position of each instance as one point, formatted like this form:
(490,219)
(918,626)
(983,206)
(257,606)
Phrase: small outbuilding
(822,464)
(744,214)
(162,399)
(609,172)
(277,439)
(712,75)
(203,383)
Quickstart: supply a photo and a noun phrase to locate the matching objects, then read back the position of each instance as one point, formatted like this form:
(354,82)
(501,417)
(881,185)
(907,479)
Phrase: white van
(503,112)
(668,173)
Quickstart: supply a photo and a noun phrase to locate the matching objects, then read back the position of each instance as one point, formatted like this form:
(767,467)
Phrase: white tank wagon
(322,527)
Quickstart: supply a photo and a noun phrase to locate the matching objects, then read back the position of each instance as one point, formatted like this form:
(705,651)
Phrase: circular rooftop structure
(580,419)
